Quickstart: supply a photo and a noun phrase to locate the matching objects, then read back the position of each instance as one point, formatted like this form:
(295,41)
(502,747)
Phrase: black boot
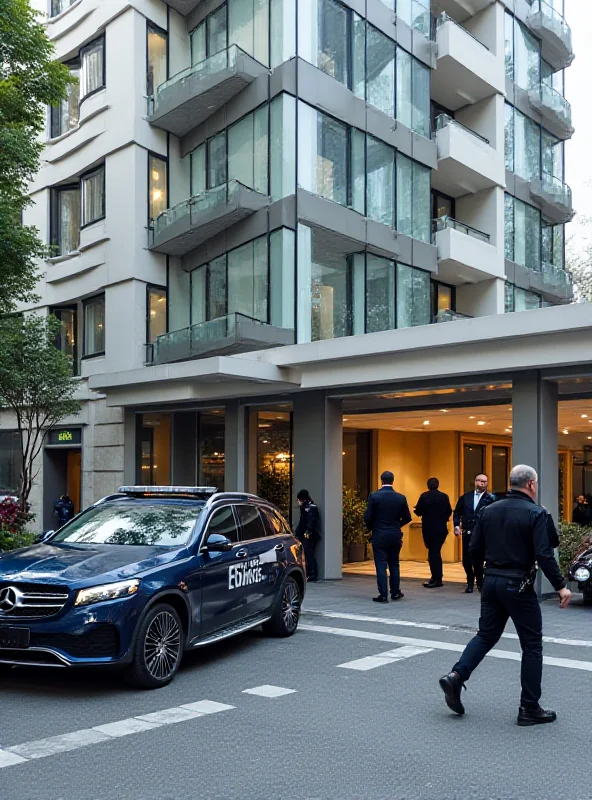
(469,589)
(534,716)
(433,585)
(380,599)
(452,685)
(398,596)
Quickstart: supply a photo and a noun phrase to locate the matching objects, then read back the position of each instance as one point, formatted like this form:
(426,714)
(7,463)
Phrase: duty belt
(505,573)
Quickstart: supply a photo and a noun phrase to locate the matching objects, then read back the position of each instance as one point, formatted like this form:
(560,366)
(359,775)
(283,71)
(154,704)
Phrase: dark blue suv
(142,576)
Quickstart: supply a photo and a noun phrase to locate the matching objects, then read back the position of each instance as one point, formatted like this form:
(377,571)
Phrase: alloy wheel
(162,646)
(291,605)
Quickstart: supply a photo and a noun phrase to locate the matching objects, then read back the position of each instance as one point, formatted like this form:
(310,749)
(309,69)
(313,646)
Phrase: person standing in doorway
(387,512)
(434,509)
(582,513)
(63,509)
(307,532)
(470,505)
(512,536)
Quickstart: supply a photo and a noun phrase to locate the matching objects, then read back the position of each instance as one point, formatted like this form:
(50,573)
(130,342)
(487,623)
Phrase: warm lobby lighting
(471,417)
(480,422)
(565,430)
(584,416)
(426,422)
(444,410)
(508,430)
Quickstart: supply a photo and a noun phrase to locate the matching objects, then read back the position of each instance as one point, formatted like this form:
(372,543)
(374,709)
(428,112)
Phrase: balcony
(191,96)
(466,161)
(466,71)
(554,33)
(554,197)
(235,333)
(554,108)
(184,7)
(447,315)
(462,10)
(465,254)
(187,225)
(552,280)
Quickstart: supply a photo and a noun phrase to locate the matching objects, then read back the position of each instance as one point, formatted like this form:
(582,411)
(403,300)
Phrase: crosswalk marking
(207,707)
(269,691)
(382,659)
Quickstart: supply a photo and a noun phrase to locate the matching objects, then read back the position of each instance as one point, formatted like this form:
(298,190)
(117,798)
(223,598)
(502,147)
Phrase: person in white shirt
(469,507)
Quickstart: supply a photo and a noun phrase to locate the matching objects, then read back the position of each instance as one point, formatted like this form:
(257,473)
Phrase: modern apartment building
(286,233)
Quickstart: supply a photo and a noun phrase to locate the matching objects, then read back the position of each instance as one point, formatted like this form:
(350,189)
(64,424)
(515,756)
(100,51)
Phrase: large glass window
(68,334)
(323,155)
(552,156)
(65,116)
(413,198)
(331,296)
(380,294)
(248,280)
(210,36)
(516,299)
(156,322)
(553,244)
(334,21)
(380,71)
(10,461)
(522,233)
(59,6)
(153,453)
(156,56)
(522,54)
(92,74)
(416,13)
(248,27)
(413,297)
(94,326)
(93,196)
(157,186)
(380,181)
(65,216)
(282,154)
(248,150)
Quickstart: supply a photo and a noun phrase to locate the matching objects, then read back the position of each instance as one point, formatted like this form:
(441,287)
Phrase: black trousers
(474,572)
(434,543)
(500,600)
(386,554)
(312,570)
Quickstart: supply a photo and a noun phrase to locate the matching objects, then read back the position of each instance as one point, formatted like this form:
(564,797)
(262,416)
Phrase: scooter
(580,570)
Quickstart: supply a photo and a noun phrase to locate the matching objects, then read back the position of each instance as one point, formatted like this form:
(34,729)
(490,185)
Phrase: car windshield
(134,522)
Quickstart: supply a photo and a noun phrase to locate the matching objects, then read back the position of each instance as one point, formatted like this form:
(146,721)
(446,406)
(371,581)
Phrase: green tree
(35,384)
(29,82)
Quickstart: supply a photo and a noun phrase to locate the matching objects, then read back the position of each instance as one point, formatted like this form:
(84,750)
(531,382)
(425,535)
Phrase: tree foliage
(29,82)
(579,262)
(35,384)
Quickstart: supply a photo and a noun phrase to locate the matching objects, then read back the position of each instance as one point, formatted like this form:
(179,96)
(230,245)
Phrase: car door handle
(242,553)
(279,547)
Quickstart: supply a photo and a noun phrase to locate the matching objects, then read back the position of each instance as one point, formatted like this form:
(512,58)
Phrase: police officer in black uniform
(307,532)
(511,536)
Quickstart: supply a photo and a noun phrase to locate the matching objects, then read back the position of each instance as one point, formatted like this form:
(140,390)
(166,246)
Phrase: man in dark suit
(434,509)
(385,515)
(467,511)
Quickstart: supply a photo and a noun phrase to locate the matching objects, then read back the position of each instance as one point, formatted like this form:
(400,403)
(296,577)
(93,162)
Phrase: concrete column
(535,439)
(184,450)
(129,449)
(235,446)
(318,467)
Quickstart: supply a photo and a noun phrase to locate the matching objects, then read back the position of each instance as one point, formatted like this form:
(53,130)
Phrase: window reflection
(275,458)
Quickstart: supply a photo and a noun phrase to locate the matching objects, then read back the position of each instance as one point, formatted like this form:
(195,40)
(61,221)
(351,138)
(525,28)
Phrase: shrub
(354,530)
(12,541)
(12,519)
(572,540)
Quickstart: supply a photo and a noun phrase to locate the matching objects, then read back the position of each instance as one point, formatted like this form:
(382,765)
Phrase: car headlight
(582,574)
(109,591)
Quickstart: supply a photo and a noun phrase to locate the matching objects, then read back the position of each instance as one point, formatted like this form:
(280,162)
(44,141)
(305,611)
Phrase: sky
(578,150)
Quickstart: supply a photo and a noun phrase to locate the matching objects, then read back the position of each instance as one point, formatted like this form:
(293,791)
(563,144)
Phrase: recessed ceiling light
(444,410)
(589,437)
(510,427)
(565,430)
(345,419)
(426,422)
(509,408)
(508,430)
(480,422)
(471,417)
(584,416)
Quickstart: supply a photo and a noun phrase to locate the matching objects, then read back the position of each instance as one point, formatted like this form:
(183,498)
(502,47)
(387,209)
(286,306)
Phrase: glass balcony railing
(556,277)
(189,210)
(225,59)
(559,191)
(547,98)
(443,18)
(441,223)
(447,315)
(552,19)
(442,120)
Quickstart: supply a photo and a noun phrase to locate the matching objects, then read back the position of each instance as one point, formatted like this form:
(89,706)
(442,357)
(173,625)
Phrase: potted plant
(354,530)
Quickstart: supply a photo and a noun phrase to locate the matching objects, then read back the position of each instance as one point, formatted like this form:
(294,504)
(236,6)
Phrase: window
(94,326)
(334,31)
(64,117)
(380,71)
(522,54)
(553,244)
(157,186)
(92,75)
(93,196)
(323,155)
(248,150)
(380,181)
(210,36)
(222,523)
(522,233)
(65,219)
(413,297)
(156,58)
(443,298)
(67,338)
(153,449)
(10,461)
(59,6)
(248,27)
(380,294)
(250,522)
(416,13)
(413,199)
(516,299)
(331,297)
(156,322)
(248,280)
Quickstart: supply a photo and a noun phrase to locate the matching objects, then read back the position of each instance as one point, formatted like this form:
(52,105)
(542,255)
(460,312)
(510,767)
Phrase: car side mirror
(43,537)
(216,543)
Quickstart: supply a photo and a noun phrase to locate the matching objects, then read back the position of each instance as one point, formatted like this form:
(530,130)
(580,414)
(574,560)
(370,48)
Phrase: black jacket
(309,523)
(514,533)
(387,511)
(582,515)
(465,513)
(434,509)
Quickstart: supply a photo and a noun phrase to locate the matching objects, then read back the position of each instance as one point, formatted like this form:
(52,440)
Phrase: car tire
(158,650)
(286,613)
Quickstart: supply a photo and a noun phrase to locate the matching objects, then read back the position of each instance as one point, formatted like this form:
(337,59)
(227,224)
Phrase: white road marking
(432,626)
(381,659)
(41,748)
(567,663)
(269,691)
(207,707)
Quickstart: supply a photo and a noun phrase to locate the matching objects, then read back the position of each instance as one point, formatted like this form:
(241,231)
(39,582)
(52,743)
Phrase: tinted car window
(134,522)
(251,523)
(222,522)
(269,522)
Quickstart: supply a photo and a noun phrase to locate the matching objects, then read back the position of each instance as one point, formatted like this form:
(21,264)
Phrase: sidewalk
(447,606)
(453,573)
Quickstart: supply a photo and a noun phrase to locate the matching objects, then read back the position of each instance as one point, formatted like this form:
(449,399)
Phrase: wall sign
(64,436)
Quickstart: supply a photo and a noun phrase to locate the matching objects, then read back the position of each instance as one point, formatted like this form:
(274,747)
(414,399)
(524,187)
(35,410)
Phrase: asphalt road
(377,731)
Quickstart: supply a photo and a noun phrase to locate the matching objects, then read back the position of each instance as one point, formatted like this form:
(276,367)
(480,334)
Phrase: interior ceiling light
(480,422)
(426,422)
(565,430)
(471,417)
(508,430)
(584,416)
(444,410)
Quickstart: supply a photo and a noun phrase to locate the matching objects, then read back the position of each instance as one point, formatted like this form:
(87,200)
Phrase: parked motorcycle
(580,570)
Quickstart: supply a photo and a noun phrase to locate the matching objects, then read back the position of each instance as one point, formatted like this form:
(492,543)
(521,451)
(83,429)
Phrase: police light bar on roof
(155,490)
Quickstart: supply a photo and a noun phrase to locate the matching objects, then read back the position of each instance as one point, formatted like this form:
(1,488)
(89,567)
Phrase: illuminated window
(157,306)
(157,186)
(94,326)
